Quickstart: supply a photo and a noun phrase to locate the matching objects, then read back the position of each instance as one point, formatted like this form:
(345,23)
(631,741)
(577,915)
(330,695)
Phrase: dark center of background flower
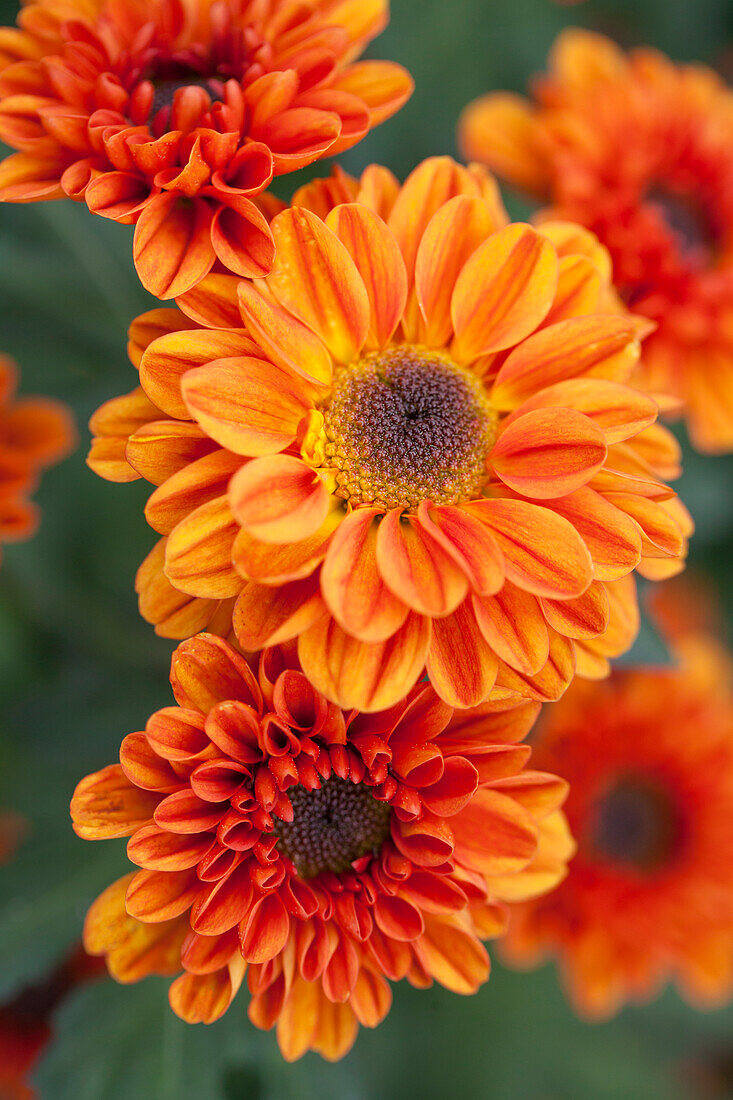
(688,219)
(406,425)
(332,826)
(637,822)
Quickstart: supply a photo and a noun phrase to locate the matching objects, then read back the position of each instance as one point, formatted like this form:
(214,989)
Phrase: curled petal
(198,556)
(172,247)
(416,568)
(453,956)
(279,499)
(549,452)
(107,804)
(284,339)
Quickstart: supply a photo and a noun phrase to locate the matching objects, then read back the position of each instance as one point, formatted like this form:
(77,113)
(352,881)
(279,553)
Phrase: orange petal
(398,918)
(612,537)
(213,301)
(265,616)
(499,130)
(315,278)
(452,956)
(266,931)
(371,998)
(198,556)
(369,677)
(619,411)
(578,289)
(661,534)
(416,568)
(202,998)
(468,542)
(154,896)
(494,834)
(182,493)
(352,585)
(149,326)
(172,247)
(283,338)
(382,85)
(173,613)
(514,626)
(552,680)
(584,617)
(164,447)
(503,292)
(106,804)
(603,346)
(156,850)
(248,405)
(548,453)
(167,358)
(460,664)
(134,950)
(279,499)
(453,234)
(270,563)
(226,904)
(543,552)
(378,260)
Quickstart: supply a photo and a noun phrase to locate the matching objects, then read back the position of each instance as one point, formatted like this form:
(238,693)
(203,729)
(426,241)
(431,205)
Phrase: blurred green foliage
(79,668)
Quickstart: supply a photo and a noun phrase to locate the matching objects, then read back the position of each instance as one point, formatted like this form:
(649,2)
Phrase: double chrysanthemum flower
(174,115)
(321,851)
(649,896)
(638,150)
(412,446)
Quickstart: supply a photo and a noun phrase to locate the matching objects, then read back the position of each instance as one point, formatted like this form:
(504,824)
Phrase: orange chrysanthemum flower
(638,150)
(649,897)
(413,448)
(173,115)
(35,432)
(326,851)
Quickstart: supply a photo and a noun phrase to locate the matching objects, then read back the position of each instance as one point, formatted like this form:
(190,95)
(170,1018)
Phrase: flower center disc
(688,220)
(332,826)
(407,425)
(636,822)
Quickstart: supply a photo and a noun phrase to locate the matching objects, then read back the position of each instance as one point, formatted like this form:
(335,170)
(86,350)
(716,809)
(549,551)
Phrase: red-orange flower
(638,150)
(326,851)
(173,115)
(35,432)
(26,1021)
(649,897)
(413,447)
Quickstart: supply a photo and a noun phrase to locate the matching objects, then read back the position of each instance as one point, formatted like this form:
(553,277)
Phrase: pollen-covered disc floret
(321,851)
(412,447)
(174,115)
(648,898)
(406,425)
(637,149)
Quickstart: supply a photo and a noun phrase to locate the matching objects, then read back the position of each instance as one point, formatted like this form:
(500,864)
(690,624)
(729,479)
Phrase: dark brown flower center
(688,219)
(332,826)
(405,425)
(637,822)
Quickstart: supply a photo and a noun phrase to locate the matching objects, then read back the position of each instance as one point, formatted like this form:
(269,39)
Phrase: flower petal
(166,359)
(494,835)
(468,542)
(369,677)
(503,292)
(498,129)
(584,617)
(172,247)
(155,896)
(106,804)
(197,483)
(279,499)
(284,339)
(461,665)
(612,538)
(452,235)
(378,260)
(603,346)
(514,626)
(452,956)
(198,556)
(548,452)
(352,585)
(416,568)
(271,563)
(266,931)
(543,553)
(315,278)
(619,411)
(265,616)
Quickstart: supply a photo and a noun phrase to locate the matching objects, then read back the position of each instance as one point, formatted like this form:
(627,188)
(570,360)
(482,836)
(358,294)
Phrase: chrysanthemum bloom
(323,851)
(649,897)
(638,150)
(419,451)
(173,115)
(35,432)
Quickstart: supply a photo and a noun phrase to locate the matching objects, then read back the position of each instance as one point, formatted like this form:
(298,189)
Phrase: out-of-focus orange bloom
(35,432)
(638,150)
(649,896)
(321,851)
(25,1021)
(413,445)
(173,115)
